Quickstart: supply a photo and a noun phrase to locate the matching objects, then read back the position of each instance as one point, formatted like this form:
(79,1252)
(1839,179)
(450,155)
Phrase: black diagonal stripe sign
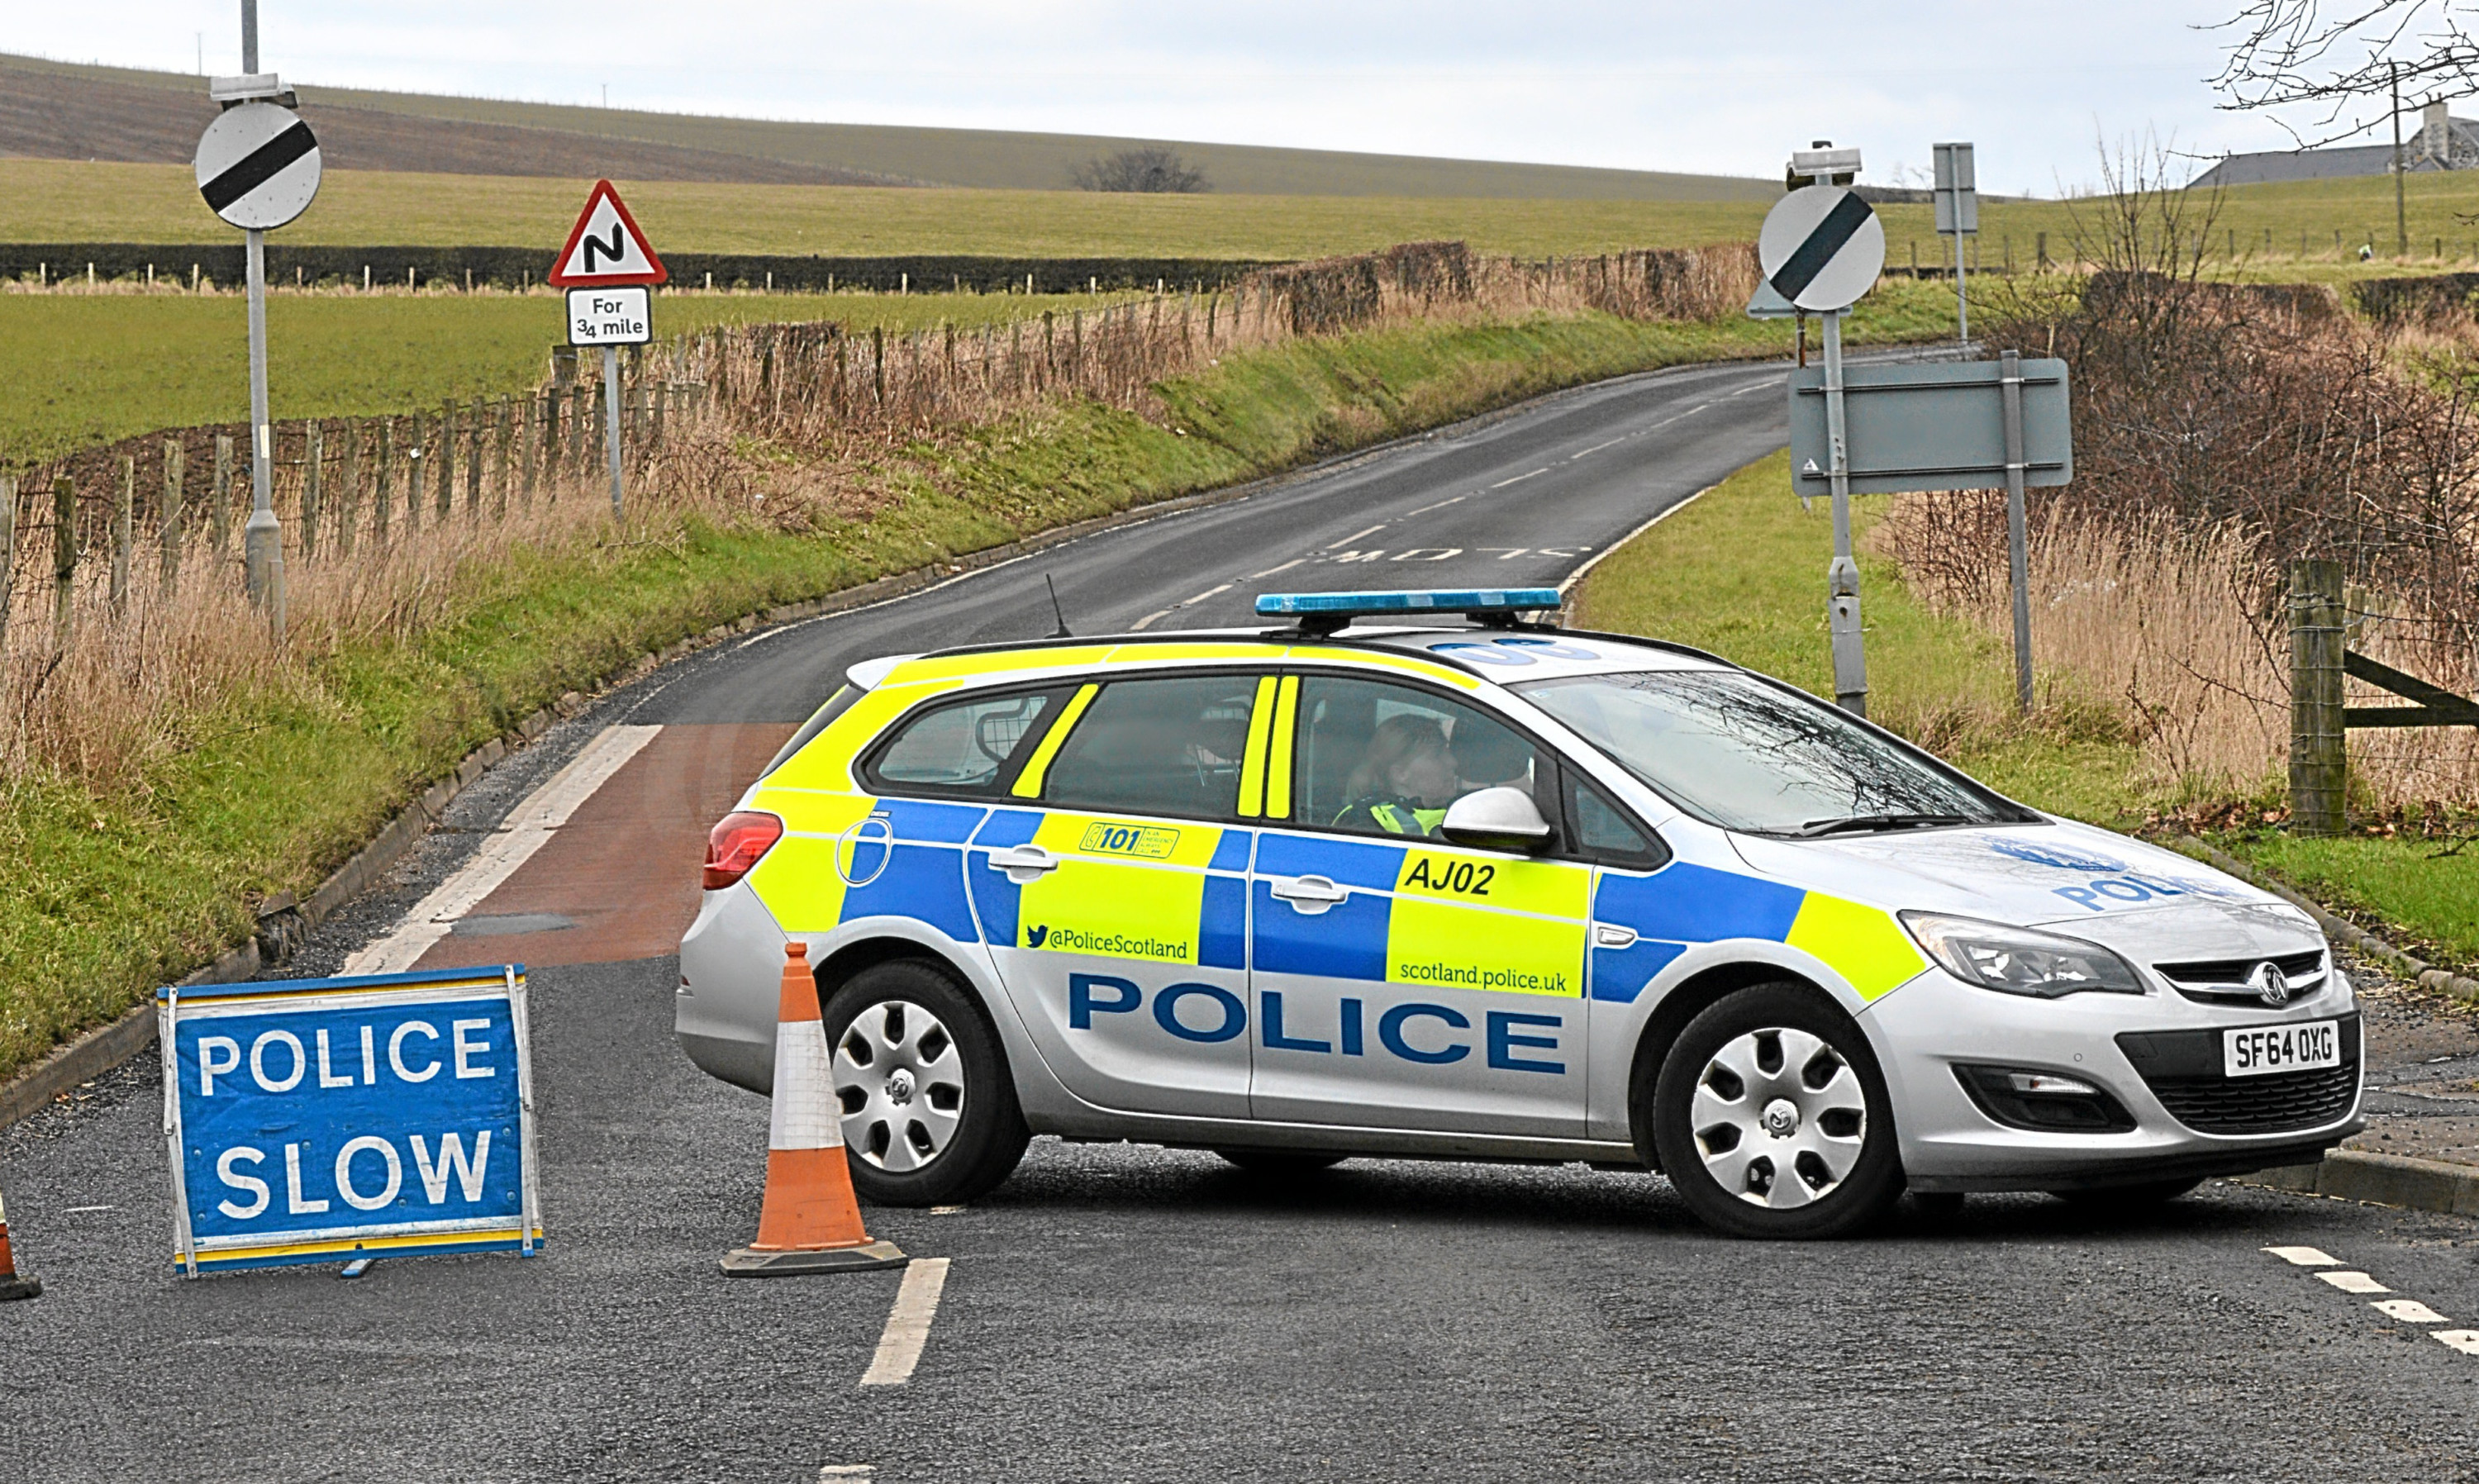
(259,167)
(1801,268)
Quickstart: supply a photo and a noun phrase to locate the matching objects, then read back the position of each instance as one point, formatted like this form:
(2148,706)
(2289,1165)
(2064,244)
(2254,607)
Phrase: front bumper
(1948,1141)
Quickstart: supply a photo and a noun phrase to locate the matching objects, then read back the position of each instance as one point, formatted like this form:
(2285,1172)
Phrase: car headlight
(2019,960)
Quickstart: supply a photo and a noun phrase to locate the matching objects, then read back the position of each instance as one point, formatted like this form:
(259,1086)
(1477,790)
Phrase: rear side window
(1168,746)
(972,746)
(1603,832)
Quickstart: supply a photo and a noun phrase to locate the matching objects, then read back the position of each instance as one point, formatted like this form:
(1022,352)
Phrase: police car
(1408,874)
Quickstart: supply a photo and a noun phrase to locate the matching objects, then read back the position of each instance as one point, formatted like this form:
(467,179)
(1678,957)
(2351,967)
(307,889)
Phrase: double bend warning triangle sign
(607,249)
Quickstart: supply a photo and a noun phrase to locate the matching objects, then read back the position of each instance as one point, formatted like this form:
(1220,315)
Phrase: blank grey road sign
(1957,190)
(1821,248)
(1939,426)
(258,166)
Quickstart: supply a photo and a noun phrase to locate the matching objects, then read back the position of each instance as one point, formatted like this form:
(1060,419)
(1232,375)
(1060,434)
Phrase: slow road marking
(907,1323)
(528,828)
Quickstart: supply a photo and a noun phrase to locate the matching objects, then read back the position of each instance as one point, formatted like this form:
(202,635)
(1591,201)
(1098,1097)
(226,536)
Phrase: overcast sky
(1648,85)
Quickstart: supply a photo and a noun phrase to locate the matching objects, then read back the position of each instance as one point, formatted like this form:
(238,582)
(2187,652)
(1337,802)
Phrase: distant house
(2443,142)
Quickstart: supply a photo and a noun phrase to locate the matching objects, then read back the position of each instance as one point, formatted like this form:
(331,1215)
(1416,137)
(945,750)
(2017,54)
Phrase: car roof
(1497,654)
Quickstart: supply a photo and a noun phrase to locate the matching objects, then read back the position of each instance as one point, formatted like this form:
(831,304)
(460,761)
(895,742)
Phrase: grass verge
(116,892)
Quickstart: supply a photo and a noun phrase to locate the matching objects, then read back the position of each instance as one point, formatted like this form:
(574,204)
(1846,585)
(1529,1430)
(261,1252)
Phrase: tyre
(1280,1161)
(930,1116)
(2127,1197)
(1771,1118)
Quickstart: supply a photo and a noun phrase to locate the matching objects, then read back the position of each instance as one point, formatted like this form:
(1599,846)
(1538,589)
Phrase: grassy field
(96,368)
(1741,572)
(116,892)
(74,201)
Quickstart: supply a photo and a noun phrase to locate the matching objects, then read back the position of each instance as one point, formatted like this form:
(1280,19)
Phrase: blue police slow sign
(327,1119)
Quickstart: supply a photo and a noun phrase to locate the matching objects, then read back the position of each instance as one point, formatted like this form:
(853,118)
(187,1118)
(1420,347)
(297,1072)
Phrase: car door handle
(1023,864)
(1609,934)
(1310,894)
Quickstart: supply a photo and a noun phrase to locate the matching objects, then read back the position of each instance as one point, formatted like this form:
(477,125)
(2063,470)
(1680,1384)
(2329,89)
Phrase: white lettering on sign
(209,1069)
(293,1204)
(451,1162)
(609,316)
(291,1044)
(230,1176)
(396,1051)
(345,1173)
(327,1078)
(467,1049)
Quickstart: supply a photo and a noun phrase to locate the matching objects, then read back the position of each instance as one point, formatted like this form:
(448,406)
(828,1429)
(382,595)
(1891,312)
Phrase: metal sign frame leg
(1842,578)
(611,419)
(262,537)
(2018,560)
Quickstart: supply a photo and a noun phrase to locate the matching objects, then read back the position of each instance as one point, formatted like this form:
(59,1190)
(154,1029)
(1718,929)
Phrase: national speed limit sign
(258,166)
(1821,248)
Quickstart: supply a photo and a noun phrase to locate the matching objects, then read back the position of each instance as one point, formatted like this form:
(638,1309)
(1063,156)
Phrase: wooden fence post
(475,418)
(2319,747)
(168,531)
(7,554)
(381,477)
(442,459)
(123,532)
(64,555)
(417,456)
(502,431)
(219,497)
(528,449)
(348,492)
(314,468)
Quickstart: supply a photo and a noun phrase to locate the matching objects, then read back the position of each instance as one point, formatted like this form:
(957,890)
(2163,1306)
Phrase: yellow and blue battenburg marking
(327,1119)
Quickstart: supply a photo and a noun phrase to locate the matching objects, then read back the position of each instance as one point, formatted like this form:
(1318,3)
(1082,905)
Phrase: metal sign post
(258,167)
(1820,248)
(1958,214)
(606,251)
(2018,561)
(1966,425)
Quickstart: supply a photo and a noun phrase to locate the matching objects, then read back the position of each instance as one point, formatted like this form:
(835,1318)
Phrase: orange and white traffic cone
(811,1221)
(10,1285)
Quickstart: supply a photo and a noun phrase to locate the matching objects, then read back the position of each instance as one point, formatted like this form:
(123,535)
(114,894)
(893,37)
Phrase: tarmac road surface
(1125,1313)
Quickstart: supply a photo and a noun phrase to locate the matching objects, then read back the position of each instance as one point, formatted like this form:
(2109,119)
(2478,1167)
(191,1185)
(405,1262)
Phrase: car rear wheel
(930,1116)
(1280,1161)
(1770,1119)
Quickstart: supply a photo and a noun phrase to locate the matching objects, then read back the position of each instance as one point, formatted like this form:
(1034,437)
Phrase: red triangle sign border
(654,275)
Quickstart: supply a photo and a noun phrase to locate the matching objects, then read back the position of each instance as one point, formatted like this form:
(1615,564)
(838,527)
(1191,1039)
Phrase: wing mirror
(1496,819)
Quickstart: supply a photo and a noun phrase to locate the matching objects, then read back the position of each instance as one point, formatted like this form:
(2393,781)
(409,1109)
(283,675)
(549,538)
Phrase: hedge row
(511,268)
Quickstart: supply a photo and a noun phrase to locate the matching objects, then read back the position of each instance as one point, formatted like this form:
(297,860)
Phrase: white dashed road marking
(528,828)
(830,1471)
(1441,505)
(1517,479)
(2354,1283)
(907,1324)
(1270,571)
(1355,536)
(2407,1311)
(2410,1311)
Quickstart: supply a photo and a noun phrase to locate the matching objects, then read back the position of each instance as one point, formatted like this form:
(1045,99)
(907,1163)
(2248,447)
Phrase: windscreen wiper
(1862,824)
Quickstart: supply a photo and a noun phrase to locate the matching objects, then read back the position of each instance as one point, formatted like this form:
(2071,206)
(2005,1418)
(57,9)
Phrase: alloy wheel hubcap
(1780,1118)
(899,1081)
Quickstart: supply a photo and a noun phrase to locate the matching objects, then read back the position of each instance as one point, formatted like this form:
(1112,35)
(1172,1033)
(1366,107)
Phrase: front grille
(2224,980)
(2183,1069)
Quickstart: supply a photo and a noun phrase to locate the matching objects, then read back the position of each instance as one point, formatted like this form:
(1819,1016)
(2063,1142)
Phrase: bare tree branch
(2337,62)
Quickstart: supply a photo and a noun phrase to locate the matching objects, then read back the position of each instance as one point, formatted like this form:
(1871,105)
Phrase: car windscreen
(1737,751)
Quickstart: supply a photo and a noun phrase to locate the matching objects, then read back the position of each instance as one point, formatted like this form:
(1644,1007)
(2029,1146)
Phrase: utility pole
(2401,214)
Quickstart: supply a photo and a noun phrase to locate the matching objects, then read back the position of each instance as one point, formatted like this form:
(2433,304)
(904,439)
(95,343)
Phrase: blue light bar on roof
(1508,600)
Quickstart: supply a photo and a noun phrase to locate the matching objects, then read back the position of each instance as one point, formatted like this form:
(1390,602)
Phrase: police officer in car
(1405,780)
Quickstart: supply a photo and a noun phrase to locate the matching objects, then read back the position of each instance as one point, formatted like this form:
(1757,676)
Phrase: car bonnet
(2149,903)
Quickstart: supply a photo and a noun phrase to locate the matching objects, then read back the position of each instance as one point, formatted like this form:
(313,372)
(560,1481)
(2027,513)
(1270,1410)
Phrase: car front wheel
(1771,1118)
(929,1114)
